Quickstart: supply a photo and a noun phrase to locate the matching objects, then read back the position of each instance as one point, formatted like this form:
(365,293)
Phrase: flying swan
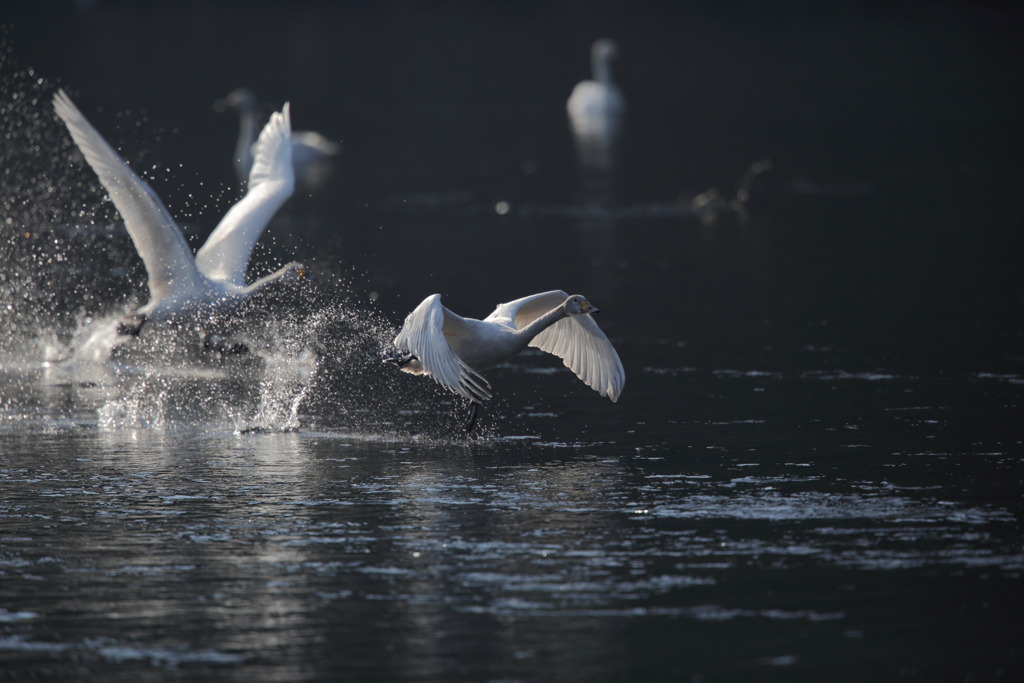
(311,151)
(213,281)
(454,350)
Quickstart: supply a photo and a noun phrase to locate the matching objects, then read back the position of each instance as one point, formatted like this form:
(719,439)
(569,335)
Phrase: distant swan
(453,350)
(214,279)
(311,151)
(597,108)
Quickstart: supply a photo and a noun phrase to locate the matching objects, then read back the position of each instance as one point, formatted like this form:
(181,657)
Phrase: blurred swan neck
(281,273)
(246,137)
(601,65)
(247,129)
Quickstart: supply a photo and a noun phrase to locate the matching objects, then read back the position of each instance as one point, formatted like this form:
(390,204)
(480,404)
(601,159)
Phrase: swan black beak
(591,309)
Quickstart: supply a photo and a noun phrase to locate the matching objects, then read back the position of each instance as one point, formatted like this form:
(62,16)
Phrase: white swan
(311,151)
(597,108)
(453,350)
(212,281)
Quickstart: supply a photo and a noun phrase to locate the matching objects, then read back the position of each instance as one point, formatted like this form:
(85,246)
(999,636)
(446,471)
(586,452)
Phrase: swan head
(602,53)
(604,49)
(240,98)
(577,304)
(294,271)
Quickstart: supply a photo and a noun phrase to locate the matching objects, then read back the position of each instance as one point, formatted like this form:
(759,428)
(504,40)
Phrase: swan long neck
(601,65)
(543,322)
(246,137)
(273,277)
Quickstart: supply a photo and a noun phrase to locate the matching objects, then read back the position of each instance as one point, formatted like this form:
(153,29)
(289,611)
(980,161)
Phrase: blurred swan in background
(453,350)
(213,281)
(312,153)
(597,108)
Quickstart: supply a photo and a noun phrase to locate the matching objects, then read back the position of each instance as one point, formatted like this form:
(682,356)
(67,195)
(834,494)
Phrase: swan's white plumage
(176,279)
(168,259)
(424,335)
(311,147)
(311,151)
(577,340)
(452,349)
(225,254)
(597,107)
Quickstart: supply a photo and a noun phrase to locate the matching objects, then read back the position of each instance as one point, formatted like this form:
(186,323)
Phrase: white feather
(453,350)
(215,278)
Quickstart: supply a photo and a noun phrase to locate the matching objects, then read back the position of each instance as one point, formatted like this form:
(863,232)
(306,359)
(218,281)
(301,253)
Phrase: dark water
(814,472)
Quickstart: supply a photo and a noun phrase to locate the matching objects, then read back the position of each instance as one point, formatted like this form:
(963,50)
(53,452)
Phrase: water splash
(285,384)
(72,272)
(144,406)
(49,218)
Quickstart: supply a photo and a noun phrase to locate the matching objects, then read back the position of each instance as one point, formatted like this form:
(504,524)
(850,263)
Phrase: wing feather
(225,255)
(577,340)
(584,349)
(166,254)
(423,335)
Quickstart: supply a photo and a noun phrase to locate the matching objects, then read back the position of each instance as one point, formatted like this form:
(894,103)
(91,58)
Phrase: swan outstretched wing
(577,340)
(226,253)
(424,336)
(168,258)
(522,312)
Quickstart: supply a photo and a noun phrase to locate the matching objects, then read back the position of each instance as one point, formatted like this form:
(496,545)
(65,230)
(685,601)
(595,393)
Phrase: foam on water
(285,383)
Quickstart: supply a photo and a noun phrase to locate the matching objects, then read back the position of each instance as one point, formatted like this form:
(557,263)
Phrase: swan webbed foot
(131,326)
(398,357)
(474,412)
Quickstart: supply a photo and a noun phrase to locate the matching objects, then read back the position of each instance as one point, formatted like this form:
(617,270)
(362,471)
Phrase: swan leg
(474,412)
(398,357)
(131,326)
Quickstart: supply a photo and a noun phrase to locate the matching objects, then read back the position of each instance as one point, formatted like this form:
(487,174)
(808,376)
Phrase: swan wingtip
(62,102)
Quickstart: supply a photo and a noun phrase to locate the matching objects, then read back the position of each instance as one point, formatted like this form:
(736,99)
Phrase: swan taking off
(311,152)
(596,107)
(453,350)
(212,281)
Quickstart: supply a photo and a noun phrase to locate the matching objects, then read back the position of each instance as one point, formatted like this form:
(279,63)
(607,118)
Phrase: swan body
(213,280)
(596,107)
(311,151)
(453,350)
